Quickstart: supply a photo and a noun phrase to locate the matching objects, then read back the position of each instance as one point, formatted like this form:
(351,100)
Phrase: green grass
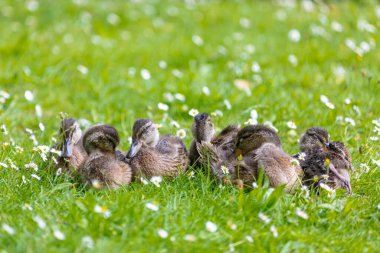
(41,50)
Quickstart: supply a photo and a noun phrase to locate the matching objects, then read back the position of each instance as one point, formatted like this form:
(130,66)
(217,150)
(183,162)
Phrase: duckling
(256,147)
(70,144)
(324,161)
(203,131)
(150,155)
(102,165)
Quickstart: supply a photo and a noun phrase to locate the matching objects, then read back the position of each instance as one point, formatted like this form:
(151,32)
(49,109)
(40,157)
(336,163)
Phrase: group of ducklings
(234,156)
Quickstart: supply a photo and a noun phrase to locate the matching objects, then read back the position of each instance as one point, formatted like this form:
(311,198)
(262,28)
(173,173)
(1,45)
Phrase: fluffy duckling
(69,143)
(256,147)
(150,155)
(103,168)
(203,132)
(324,161)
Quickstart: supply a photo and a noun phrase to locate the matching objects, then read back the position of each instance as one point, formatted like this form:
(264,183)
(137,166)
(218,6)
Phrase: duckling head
(315,137)
(144,131)
(252,137)
(70,133)
(101,137)
(202,128)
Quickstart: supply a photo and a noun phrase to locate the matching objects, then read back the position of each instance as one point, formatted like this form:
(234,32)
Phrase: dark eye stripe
(143,129)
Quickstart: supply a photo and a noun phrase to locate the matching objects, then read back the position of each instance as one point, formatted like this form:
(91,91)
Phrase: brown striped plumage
(103,165)
(324,161)
(257,147)
(150,155)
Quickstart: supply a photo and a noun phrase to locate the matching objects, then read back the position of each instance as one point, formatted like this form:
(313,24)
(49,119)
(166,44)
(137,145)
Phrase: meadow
(290,64)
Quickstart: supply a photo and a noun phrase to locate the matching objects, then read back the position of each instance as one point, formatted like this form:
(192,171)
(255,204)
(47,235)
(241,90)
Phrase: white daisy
(181,133)
(225,170)
(163,107)
(82,69)
(8,229)
(206,91)
(103,210)
(59,235)
(88,242)
(152,206)
(145,74)
(29,95)
(264,218)
(302,214)
(40,222)
(211,227)
(294,35)
(193,112)
(197,40)
(162,233)
(156,180)
(291,125)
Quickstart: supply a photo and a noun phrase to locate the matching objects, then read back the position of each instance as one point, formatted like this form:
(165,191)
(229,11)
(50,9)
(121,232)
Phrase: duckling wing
(105,170)
(246,170)
(209,157)
(277,166)
(122,173)
(313,166)
(173,146)
(169,144)
(92,170)
(78,157)
(168,158)
(225,141)
(341,176)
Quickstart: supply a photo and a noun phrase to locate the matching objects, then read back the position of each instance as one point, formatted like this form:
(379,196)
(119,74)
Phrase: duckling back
(277,166)
(225,141)
(106,170)
(174,146)
(168,158)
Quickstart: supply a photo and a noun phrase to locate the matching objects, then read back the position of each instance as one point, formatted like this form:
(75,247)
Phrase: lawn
(296,66)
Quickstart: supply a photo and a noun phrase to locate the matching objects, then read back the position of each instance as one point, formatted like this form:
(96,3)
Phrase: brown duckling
(256,147)
(72,153)
(203,131)
(323,161)
(103,168)
(150,155)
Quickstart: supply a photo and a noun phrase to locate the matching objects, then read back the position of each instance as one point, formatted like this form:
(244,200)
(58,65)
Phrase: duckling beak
(135,147)
(346,183)
(327,145)
(67,150)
